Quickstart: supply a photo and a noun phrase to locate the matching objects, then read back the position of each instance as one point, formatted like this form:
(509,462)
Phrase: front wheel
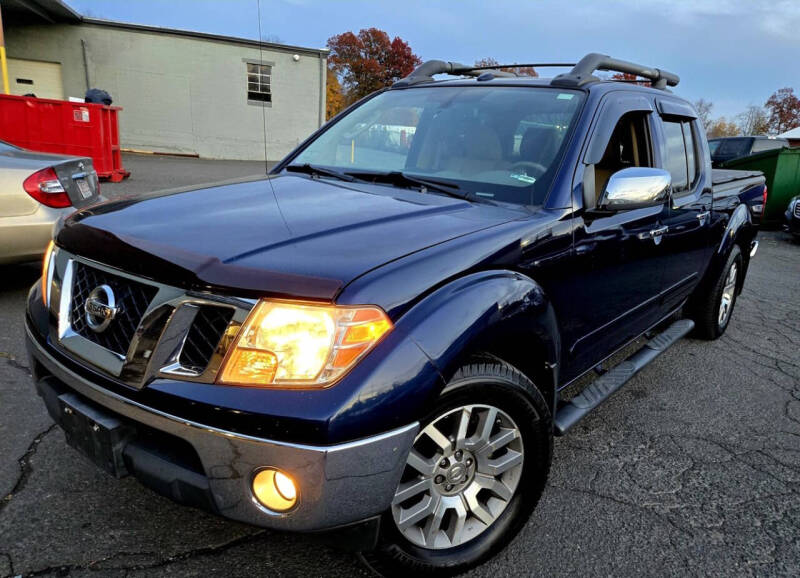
(473,476)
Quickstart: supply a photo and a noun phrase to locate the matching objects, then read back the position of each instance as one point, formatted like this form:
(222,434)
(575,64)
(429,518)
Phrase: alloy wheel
(728,296)
(461,474)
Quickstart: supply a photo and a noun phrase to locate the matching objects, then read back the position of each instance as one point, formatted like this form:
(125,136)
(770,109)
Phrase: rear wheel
(714,309)
(473,476)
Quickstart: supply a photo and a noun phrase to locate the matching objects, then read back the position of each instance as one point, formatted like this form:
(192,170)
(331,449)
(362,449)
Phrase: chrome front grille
(797,209)
(156,331)
(132,298)
(204,337)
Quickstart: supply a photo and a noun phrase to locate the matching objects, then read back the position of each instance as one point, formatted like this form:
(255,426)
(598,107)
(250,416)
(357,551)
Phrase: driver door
(613,296)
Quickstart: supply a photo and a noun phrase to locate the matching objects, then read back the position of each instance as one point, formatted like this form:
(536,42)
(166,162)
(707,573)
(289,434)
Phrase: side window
(675,155)
(680,154)
(629,146)
(691,151)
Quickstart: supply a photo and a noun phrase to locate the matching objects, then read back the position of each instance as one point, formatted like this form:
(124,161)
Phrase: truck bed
(747,186)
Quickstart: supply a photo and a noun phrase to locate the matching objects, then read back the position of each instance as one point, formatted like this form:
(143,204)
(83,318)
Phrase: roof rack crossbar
(525,65)
(426,71)
(583,72)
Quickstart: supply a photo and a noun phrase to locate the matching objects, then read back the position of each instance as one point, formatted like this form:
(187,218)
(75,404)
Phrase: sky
(731,52)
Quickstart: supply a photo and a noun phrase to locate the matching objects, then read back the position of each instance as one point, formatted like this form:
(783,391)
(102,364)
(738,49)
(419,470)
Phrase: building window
(258,82)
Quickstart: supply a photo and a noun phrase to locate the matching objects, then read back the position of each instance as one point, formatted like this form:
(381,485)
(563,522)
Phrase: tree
(518,70)
(628,77)
(784,110)
(334,99)
(754,121)
(369,61)
(703,108)
(721,127)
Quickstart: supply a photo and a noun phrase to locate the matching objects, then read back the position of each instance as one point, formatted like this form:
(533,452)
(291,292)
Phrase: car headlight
(301,344)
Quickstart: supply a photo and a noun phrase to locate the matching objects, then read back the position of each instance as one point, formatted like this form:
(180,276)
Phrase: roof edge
(204,36)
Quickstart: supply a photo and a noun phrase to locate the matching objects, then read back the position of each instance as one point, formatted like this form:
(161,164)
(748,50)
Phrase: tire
(474,392)
(710,320)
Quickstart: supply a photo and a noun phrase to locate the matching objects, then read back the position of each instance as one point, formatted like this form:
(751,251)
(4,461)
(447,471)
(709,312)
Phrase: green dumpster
(781,167)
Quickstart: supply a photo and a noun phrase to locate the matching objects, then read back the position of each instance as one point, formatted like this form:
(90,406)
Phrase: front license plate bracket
(97,434)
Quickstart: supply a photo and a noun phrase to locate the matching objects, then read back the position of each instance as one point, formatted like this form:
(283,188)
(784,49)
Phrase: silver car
(36,190)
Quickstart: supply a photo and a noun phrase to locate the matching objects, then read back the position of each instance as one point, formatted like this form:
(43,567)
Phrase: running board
(604,386)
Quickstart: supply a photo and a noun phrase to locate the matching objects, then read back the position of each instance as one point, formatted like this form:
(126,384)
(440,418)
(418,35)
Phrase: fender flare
(500,312)
(739,223)
(738,228)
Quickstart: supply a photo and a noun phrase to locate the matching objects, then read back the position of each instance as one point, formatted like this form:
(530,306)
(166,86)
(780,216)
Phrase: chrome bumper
(337,484)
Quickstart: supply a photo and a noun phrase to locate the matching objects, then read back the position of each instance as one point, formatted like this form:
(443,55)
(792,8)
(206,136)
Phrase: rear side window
(680,154)
(734,147)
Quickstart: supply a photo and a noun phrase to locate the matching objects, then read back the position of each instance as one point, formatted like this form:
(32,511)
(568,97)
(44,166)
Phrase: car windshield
(7,147)
(496,143)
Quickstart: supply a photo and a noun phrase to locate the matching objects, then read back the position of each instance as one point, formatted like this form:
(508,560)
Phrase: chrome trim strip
(66,299)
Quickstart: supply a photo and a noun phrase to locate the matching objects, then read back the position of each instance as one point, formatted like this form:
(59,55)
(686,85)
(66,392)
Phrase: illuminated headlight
(301,344)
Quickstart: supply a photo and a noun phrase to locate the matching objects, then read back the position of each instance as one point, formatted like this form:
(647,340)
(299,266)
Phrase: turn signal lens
(46,273)
(300,344)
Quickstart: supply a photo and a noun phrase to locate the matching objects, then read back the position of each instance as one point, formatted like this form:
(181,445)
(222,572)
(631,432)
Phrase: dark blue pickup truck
(382,337)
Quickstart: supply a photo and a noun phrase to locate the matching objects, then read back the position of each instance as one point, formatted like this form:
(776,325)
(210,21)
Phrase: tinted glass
(501,143)
(713,145)
(691,163)
(734,147)
(675,154)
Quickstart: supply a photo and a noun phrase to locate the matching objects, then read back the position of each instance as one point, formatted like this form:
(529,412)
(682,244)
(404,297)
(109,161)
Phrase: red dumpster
(63,127)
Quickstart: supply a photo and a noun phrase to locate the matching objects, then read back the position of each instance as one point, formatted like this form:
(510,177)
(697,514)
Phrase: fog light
(274,490)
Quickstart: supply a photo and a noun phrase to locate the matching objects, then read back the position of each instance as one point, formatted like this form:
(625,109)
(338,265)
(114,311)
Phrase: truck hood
(289,235)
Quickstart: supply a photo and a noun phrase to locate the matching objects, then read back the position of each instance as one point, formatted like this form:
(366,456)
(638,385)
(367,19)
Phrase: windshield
(7,147)
(498,143)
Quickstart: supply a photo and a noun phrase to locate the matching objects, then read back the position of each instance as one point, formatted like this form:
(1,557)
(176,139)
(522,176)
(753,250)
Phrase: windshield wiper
(403,179)
(316,170)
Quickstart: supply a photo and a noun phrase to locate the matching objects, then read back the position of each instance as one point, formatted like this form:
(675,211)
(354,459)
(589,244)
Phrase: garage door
(31,76)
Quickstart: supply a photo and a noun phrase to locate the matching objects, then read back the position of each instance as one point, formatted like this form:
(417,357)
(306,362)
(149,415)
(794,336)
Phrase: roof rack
(425,71)
(581,73)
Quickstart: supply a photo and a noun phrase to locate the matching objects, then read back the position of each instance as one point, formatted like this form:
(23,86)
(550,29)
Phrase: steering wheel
(538,170)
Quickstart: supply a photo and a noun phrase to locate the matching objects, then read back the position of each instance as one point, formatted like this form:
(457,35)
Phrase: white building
(181,92)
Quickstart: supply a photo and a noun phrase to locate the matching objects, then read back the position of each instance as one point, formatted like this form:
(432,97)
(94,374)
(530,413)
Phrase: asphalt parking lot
(692,469)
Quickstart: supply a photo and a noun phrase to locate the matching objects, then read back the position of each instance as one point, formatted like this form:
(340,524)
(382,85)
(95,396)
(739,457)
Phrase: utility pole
(3,63)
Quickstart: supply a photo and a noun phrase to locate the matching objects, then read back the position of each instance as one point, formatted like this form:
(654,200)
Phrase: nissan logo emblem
(101,308)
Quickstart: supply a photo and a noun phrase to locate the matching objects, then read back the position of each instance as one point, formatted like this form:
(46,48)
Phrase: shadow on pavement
(15,277)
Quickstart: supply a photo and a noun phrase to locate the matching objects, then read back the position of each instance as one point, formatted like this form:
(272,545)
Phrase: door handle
(653,233)
(703,217)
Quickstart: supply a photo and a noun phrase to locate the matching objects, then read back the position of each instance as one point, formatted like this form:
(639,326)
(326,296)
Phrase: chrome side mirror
(634,188)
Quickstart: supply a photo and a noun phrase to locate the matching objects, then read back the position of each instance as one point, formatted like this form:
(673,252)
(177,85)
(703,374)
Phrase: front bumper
(337,484)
